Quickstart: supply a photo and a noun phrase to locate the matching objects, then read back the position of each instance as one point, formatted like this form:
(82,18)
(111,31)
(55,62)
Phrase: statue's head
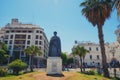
(55,33)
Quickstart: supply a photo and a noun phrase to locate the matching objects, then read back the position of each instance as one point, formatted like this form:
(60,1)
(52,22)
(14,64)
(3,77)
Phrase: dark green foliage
(16,55)
(4,47)
(116,78)
(91,72)
(17,66)
(69,61)
(3,71)
(64,58)
(3,53)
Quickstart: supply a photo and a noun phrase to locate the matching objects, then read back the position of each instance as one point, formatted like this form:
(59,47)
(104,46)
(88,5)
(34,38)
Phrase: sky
(63,16)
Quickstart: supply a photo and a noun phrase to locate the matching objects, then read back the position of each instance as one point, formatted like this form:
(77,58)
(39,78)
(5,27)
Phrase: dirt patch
(44,76)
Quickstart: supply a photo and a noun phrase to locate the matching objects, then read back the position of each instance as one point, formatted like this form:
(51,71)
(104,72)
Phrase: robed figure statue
(55,46)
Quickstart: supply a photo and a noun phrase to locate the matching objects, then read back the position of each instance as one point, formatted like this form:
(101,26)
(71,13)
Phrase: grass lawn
(43,76)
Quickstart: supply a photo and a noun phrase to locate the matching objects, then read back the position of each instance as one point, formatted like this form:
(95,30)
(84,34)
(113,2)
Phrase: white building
(1,35)
(19,36)
(112,50)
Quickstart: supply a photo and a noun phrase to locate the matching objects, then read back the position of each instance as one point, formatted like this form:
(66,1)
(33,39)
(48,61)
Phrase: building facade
(94,58)
(19,36)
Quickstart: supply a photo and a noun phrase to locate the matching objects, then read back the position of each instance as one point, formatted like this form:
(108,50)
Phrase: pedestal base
(54,65)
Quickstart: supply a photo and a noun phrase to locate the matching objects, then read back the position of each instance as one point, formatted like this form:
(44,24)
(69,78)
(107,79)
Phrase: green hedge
(17,66)
(91,72)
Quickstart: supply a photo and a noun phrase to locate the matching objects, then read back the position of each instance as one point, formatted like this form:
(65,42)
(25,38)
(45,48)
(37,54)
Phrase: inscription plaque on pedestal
(54,65)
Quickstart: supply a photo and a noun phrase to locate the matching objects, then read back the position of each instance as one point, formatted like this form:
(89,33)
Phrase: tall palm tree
(97,11)
(32,51)
(80,51)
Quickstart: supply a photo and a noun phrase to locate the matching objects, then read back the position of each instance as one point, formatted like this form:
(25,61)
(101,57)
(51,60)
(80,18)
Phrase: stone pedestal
(54,65)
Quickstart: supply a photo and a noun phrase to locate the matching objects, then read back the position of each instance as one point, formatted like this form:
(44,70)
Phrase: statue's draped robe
(55,47)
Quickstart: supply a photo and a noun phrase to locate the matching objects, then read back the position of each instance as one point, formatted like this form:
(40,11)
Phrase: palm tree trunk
(29,61)
(103,55)
(81,64)
(31,66)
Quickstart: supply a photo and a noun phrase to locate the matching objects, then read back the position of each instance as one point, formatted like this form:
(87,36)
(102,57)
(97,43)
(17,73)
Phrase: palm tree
(81,52)
(97,11)
(84,51)
(116,3)
(32,51)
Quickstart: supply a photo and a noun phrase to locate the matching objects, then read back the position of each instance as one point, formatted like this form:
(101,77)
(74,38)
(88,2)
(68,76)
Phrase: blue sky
(63,16)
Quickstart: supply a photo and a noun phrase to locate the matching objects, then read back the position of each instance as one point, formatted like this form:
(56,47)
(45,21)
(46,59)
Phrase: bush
(17,66)
(3,71)
(91,72)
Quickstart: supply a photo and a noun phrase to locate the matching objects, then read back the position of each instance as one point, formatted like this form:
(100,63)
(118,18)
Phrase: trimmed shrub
(3,71)
(91,72)
(17,66)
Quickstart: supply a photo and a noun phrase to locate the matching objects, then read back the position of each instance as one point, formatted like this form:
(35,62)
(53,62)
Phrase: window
(30,31)
(36,42)
(6,36)
(36,36)
(28,42)
(41,32)
(18,31)
(96,48)
(10,47)
(37,31)
(11,36)
(23,47)
(22,53)
(39,42)
(90,56)
(44,50)
(98,57)
(98,64)
(90,48)
(12,31)
(10,42)
(41,37)
(6,42)
(24,31)
(29,37)
(7,31)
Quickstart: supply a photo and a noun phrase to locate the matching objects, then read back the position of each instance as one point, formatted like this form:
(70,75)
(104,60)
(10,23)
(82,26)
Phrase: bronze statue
(55,46)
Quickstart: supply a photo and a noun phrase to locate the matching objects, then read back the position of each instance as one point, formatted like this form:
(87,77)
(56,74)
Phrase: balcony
(18,47)
(19,42)
(20,37)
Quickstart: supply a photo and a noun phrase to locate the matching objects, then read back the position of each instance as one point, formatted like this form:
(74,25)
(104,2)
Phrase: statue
(55,46)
